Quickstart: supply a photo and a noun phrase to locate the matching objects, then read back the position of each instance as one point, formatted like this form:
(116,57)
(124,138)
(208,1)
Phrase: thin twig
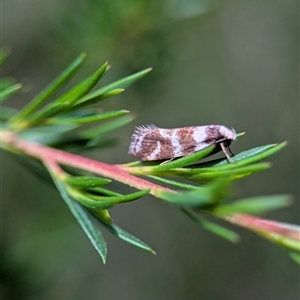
(44,153)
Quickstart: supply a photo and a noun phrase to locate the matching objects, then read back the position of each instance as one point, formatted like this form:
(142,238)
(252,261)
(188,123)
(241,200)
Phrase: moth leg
(166,161)
(226,152)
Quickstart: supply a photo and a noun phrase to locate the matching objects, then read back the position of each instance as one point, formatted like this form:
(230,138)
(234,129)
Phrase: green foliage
(254,206)
(216,229)
(8,91)
(197,189)
(83,219)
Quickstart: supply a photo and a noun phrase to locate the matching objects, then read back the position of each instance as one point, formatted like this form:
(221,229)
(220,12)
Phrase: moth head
(228,135)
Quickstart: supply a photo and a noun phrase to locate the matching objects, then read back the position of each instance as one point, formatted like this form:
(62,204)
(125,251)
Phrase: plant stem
(11,141)
(262,225)
(52,158)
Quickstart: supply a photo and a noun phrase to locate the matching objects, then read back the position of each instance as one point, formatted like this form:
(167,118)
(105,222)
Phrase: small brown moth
(150,142)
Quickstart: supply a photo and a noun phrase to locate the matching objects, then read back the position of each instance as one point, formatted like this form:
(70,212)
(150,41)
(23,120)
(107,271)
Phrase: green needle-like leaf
(6,83)
(175,183)
(47,135)
(89,119)
(178,163)
(83,87)
(86,181)
(200,198)
(295,256)
(186,160)
(103,215)
(221,231)
(191,199)
(49,111)
(242,159)
(234,173)
(82,217)
(125,236)
(119,84)
(257,205)
(67,100)
(47,92)
(102,202)
(9,91)
(102,191)
(107,127)
(112,93)
(86,101)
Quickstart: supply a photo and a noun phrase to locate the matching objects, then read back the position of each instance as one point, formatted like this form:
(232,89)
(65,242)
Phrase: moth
(150,142)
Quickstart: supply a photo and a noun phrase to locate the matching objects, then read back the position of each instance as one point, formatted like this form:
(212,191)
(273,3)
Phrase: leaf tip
(268,165)
(283,144)
(239,135)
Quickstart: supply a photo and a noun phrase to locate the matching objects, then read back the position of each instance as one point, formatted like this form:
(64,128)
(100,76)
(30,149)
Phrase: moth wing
(178,149)
(158,147)
(151,126)
(184,150)
(144,128)
(146,141)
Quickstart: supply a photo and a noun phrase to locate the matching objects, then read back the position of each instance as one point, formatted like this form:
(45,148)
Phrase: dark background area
(228,62)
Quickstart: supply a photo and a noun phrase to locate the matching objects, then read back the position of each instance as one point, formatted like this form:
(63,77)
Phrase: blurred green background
(227,62)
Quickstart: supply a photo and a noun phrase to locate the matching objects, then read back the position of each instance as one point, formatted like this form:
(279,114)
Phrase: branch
(46,154)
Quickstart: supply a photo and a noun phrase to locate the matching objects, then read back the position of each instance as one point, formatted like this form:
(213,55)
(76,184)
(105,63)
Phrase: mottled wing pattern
(153,143)
(150,142)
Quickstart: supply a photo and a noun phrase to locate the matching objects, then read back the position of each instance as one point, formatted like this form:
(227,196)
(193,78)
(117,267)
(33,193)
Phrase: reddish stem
(260,225)
(53,157)
(47,154)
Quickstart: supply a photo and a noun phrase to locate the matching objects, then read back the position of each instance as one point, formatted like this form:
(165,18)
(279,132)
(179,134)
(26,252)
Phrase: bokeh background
(230,62)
